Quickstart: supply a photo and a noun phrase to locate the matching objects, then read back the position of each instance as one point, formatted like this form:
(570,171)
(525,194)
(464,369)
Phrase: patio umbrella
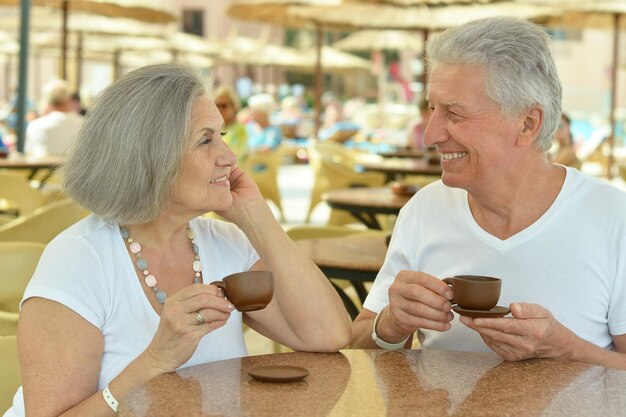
(346,15)
(131,51)
(136,9)
(334,61)
(249,51)
(80,26)
(425,15)
(379,41)
(279,12)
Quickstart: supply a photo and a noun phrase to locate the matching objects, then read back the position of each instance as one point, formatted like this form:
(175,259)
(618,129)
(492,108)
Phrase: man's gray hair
(520,69)
(125,161)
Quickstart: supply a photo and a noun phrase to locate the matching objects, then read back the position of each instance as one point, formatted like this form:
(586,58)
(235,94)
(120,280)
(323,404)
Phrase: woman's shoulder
(92,228)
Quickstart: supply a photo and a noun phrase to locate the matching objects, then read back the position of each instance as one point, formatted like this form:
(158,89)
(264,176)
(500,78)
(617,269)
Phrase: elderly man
(556,237)
(52,133)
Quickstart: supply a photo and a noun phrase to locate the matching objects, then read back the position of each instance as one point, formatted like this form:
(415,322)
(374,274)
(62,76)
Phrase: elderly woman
(235,136)
(121,296)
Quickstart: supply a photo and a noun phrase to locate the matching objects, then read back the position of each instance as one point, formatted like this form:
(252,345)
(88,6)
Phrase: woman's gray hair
(126,158)
(520,69)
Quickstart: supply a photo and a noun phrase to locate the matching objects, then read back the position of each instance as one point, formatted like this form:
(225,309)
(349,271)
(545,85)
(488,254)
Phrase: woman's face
(202,183)
(226,109)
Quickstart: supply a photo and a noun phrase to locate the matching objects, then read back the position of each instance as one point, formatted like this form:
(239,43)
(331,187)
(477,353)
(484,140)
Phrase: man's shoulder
(584,183)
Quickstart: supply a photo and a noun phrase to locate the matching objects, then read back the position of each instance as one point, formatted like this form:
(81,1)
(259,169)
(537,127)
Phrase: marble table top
(384,383)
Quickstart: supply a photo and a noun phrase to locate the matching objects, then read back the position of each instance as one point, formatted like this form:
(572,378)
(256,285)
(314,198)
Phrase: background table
(385,383)
(365,203)
(20,161)
(404,153)
(393,168)
(354,258)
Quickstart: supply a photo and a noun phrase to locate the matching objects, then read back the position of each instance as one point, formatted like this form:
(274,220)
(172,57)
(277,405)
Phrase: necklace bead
(150,280)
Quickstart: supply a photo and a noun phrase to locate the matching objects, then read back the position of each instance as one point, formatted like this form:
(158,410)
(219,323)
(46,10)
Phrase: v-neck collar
(528,232)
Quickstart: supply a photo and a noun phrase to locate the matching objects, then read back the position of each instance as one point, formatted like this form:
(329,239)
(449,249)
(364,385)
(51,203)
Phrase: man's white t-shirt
(88,269)
(52,134)
(571,261)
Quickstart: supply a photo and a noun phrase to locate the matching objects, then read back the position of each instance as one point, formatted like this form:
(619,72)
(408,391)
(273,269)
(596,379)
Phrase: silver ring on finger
(199,318)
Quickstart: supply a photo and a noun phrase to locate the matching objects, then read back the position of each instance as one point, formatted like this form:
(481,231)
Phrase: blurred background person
(334,124)
(8,118)
(290,117)
(565,153)
(76,104)
(52,133)
(236,136)
(416,135)
(262,135)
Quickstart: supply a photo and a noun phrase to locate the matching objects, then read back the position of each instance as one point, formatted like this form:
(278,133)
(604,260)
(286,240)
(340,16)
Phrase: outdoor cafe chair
(10,371)
(20,198)
(263,168)
(18,261)
(43,224)
(334,167)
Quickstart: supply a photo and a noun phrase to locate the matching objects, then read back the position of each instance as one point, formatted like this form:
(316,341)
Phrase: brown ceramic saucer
(497,311)
(278,373)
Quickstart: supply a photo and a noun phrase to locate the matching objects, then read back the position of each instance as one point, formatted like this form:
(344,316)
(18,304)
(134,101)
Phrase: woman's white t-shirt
(87,268)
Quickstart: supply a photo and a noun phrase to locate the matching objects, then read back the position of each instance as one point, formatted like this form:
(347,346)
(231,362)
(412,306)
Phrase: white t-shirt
(88,269)
(52,134)
(571,261)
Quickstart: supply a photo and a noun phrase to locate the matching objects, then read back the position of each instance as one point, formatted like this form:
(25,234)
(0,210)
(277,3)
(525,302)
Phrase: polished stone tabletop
(383,383)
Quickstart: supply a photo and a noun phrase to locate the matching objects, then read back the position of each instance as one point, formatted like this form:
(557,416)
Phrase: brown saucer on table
(399,188)
(495,312)
(278,373)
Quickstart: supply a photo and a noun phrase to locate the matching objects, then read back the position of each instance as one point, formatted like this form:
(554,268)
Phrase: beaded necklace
(142,264)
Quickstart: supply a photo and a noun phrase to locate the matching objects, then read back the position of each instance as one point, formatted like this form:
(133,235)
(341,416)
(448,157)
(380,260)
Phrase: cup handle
(219,284)
(450,282)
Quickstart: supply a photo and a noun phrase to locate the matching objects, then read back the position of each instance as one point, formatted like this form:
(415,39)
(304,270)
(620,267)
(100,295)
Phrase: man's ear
(530,123)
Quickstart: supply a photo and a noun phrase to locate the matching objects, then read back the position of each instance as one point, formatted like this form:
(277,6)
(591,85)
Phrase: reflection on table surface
(378,383)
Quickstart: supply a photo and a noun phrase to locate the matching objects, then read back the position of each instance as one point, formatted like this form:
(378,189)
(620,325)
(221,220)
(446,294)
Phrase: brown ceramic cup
(248,291)
(475,292)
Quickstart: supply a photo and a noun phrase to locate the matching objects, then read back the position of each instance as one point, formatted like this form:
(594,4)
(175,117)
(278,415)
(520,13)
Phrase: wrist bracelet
(110,399)
(380,342)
